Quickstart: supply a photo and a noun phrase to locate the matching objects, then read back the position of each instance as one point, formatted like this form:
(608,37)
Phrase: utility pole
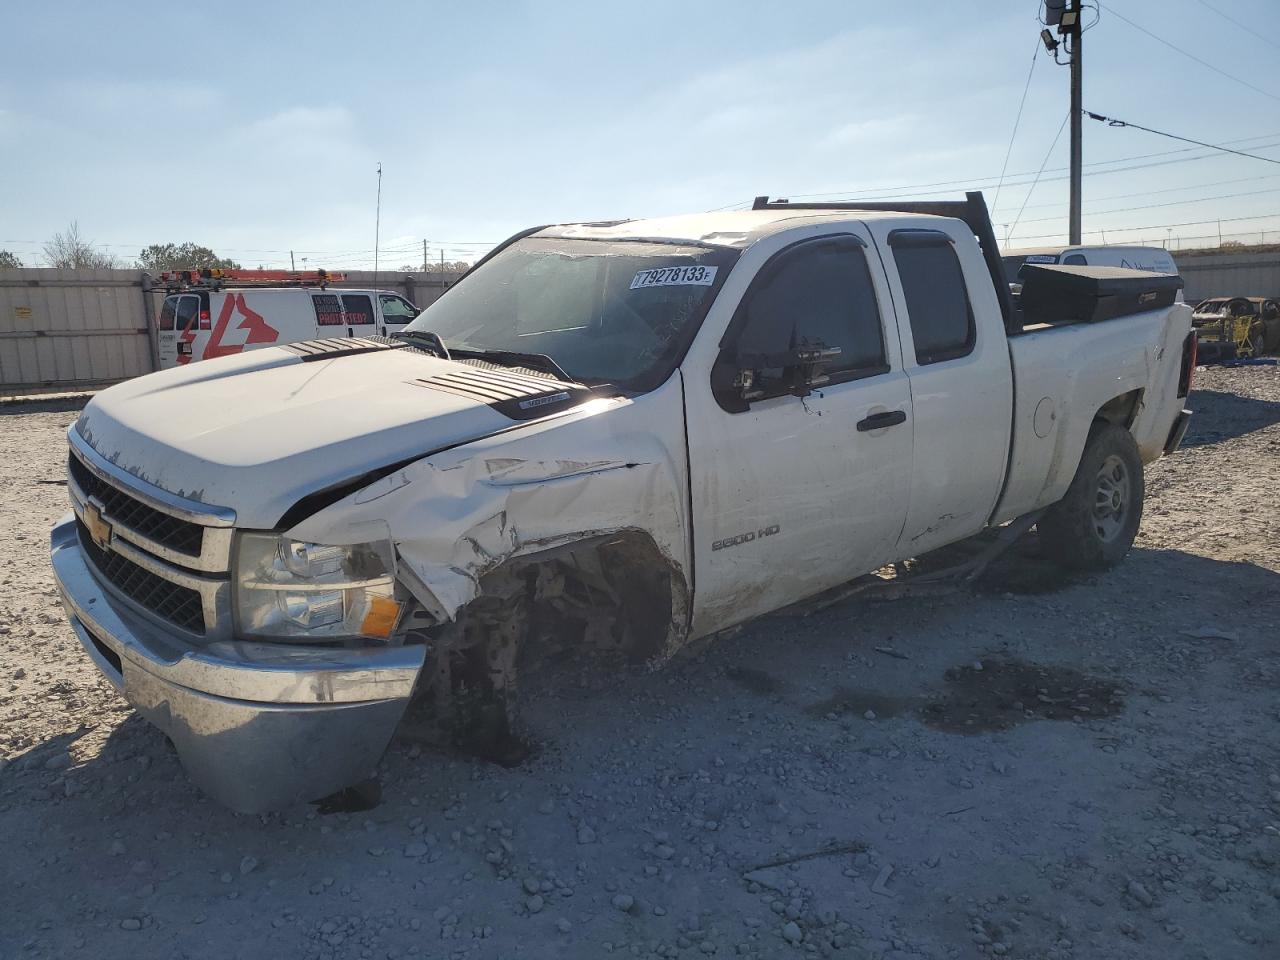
(424,255)
(292,265)
(377,226)
(1076,34)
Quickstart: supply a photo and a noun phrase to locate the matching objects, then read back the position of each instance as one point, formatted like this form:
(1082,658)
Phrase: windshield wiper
(534,361)
(426,339)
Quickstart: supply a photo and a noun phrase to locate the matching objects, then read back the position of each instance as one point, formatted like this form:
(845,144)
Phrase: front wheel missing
(539,625)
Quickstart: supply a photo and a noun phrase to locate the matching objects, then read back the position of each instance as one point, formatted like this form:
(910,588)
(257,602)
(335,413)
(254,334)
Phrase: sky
(258,129)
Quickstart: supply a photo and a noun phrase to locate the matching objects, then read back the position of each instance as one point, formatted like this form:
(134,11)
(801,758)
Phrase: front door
(795,494)
(188,325)
(396,312)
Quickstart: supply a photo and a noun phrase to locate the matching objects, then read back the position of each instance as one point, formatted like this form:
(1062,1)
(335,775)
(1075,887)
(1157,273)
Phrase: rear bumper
(1177,432)
(257,726)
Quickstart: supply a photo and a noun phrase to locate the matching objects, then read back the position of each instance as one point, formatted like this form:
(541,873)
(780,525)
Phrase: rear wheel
(1093,526)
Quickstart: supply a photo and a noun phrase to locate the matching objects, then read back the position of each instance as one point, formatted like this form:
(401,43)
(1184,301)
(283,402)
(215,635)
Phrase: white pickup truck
(616,436)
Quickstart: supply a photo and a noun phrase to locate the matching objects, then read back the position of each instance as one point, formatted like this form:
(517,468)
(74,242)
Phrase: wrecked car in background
(611,436)
(1237,326)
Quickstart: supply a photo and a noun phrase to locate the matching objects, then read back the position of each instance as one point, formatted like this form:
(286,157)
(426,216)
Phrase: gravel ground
(1030,769)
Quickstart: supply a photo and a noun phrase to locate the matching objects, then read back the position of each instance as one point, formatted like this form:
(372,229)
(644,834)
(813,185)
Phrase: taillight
(204,314)
(1190,347)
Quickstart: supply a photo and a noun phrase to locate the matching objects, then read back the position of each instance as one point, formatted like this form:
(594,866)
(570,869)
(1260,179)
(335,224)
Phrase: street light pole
(1077,121)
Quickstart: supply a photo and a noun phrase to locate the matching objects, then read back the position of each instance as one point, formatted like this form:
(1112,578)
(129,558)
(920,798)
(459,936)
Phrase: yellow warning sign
(22,313)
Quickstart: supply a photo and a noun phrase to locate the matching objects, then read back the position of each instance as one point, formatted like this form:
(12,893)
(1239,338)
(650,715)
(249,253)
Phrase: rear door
(357,310)
(956,356)
(795,494)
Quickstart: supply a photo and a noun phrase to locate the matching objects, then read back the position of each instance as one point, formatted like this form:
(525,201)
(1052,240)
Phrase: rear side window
(328,309)
(820,295)
(937,301)
(168,313)
(1074,259)
(358,308)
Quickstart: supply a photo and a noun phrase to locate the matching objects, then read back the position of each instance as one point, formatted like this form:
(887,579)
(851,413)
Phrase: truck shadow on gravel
(1224,416)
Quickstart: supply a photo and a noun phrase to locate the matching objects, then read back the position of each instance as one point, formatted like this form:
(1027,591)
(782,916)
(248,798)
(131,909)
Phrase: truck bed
(1049,430)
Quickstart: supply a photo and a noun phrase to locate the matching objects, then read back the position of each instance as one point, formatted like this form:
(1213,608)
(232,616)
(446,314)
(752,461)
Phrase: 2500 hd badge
(747,537)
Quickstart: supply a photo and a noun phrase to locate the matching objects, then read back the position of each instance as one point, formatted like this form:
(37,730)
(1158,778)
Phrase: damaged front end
(280,662)
(513,558)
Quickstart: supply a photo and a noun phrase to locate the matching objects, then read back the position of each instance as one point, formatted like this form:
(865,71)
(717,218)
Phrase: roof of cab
(730,228)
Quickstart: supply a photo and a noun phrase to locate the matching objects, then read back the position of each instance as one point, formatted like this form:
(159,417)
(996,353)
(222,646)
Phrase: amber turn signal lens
(381,618)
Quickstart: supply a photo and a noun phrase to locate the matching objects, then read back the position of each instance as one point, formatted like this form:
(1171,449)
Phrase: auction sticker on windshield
(675,277)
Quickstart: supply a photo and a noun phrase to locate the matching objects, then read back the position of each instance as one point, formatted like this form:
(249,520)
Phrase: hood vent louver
(514,395)
(331,347)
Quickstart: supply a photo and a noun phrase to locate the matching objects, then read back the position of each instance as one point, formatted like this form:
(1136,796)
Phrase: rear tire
(1093,526)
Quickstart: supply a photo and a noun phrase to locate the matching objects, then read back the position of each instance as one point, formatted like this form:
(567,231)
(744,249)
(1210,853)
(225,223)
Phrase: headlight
(289,590)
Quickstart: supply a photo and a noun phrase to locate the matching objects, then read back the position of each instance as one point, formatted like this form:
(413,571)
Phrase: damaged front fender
(459,515)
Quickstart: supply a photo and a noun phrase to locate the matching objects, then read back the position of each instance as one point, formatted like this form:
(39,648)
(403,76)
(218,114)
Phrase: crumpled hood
(258,431)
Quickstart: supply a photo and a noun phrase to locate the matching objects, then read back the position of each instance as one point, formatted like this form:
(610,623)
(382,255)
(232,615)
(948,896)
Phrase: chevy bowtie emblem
(97,525)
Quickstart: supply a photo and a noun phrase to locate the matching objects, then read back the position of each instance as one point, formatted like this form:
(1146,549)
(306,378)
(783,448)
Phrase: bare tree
(70,250)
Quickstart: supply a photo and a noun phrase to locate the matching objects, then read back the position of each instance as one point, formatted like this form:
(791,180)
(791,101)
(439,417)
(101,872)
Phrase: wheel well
(614,596)
(1121,410)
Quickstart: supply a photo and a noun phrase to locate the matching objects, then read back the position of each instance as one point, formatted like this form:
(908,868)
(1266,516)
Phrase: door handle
(878,421)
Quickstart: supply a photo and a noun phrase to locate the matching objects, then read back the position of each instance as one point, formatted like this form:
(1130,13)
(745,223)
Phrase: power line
(857,193)
(1111,122)
(1205,63)
(982,186)
(1042,166)
(1152,193)
(1159,226)
(1245,27)
(1171,203)
(1016,120)
(1027,173)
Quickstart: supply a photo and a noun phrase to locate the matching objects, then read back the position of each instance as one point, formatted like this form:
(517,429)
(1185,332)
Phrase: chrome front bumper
(257,726)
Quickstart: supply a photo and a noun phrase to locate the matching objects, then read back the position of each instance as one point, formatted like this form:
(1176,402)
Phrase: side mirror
(737,380)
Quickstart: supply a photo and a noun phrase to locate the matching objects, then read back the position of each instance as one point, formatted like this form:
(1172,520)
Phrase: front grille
(168,531)
(179,605)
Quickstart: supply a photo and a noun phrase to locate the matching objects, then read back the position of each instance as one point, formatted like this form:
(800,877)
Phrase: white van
(1150,259)
(206,317)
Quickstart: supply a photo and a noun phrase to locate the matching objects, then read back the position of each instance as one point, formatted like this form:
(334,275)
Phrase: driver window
(818,296)
(396,309)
